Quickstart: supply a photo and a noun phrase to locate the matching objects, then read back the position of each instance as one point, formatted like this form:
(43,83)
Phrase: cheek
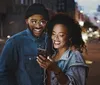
(52,37)
(64,40)
(52,40)
(31,25)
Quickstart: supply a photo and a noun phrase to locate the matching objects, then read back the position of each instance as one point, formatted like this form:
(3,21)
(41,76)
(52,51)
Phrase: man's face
(36,24)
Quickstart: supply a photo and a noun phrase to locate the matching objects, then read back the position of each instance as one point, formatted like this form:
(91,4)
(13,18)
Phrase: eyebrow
(33,19)
(59,32)
(36,19)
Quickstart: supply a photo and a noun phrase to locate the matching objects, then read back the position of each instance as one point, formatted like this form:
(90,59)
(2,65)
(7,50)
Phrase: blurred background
(86,12)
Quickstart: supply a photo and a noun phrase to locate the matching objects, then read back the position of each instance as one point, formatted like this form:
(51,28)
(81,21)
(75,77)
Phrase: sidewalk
(94,68)
(93,55)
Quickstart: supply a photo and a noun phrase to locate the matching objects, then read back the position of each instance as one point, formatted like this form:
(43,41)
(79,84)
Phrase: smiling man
(18,65)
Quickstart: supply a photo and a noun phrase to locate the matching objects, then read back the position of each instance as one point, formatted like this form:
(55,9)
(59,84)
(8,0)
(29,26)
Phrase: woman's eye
(61,35)
(52,34)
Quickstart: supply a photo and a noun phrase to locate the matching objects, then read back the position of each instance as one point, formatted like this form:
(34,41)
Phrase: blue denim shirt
(18,65)
(73,66)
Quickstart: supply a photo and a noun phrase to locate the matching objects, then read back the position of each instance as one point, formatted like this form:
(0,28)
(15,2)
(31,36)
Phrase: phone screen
(42,52)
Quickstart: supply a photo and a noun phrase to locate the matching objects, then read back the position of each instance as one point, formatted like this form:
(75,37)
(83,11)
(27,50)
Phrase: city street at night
(85,12)
(94,69)
(93,59)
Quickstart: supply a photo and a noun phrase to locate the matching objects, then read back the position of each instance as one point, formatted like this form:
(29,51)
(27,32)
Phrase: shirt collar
(65,55)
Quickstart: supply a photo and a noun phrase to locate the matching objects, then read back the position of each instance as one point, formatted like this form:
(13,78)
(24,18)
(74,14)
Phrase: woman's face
(59,36)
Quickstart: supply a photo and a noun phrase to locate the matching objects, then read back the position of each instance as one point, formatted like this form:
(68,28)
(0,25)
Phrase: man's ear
(26,20)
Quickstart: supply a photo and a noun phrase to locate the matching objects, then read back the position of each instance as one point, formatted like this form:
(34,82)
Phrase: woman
(65,67)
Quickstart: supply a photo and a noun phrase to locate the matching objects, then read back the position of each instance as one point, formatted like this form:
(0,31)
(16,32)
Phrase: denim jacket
(73,66)
(18,65)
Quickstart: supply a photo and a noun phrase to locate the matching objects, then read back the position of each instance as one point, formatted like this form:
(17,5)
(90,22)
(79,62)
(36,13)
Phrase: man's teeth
(37,30)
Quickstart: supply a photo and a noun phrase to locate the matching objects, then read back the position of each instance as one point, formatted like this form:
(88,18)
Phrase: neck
(62,50)
(60,53)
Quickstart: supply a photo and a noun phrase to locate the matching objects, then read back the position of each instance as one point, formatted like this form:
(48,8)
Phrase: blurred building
(2,14)
(98,9)
(12,13)
(67,6)
(11,17)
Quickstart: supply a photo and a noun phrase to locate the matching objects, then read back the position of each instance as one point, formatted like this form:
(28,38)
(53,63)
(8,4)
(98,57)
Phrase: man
(18,65)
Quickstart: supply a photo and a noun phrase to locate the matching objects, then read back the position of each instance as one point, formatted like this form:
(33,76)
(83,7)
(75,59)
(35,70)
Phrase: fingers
(42,61)
(49,59)
(45,63)
(42,57)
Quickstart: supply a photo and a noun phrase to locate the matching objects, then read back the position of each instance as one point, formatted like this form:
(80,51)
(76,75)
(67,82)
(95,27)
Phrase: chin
(37,34)
(56,47)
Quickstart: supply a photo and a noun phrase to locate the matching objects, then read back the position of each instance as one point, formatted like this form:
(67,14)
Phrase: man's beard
(31,30)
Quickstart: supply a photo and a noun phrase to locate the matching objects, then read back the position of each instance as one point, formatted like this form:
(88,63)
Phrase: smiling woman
(66,66)
(59,36)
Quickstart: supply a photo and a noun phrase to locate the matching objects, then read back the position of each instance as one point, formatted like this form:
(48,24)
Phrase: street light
(98,21)
(81,11)
(81,23)
(84,37)
(90,29)
(8,36)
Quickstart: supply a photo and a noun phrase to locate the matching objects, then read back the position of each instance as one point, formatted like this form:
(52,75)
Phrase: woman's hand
(46,63)
(49,64)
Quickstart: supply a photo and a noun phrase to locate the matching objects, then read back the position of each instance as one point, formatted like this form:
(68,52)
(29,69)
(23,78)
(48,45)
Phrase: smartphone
(42,52)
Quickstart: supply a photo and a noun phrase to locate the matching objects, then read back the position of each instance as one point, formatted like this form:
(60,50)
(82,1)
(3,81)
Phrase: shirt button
(30,58)
(39,45)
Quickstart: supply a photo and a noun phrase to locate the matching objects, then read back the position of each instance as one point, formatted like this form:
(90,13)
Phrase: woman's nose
(56,37)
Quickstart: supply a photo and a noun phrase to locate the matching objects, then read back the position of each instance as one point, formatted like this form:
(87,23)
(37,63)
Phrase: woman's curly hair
(74,29)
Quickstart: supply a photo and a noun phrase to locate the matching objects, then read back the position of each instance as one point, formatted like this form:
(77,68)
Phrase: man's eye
(43,22)
(34,22)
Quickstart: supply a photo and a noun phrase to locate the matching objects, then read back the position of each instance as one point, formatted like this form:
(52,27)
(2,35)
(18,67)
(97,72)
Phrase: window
(22,1)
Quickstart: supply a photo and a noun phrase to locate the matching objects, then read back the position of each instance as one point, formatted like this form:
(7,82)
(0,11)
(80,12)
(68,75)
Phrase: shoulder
(17,37)
(76,56)
(76,59)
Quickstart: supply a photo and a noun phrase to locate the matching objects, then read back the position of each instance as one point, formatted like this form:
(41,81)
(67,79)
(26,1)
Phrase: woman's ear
(70,41)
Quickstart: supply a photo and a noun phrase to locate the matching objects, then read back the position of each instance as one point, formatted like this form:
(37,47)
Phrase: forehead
(36,17)
(60,28)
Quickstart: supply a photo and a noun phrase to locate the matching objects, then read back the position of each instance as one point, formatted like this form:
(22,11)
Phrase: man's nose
(37,25)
